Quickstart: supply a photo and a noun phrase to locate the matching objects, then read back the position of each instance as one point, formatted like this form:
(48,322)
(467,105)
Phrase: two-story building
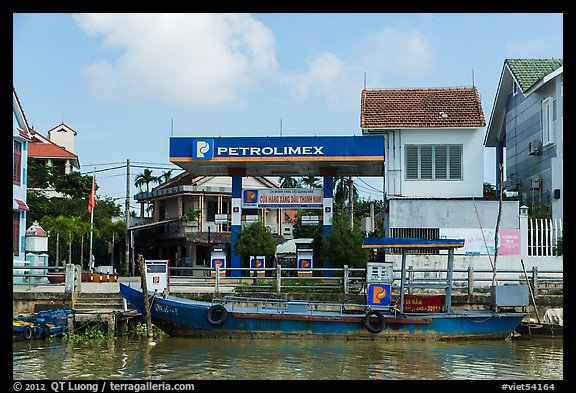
(434,169)
(20,142)
(55,150)
(527,120)
(191,214)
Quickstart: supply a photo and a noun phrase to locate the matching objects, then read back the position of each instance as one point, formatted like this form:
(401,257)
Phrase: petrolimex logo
(202,149)
(378,295)
(250,198)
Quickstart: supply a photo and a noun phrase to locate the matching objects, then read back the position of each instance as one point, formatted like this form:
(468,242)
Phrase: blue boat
(233,316)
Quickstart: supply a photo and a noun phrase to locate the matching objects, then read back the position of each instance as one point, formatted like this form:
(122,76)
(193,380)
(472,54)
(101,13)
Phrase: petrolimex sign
(321,148)
(285,198)
(205,149)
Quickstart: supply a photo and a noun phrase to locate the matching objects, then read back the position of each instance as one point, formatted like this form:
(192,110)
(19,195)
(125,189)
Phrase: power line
(372,187)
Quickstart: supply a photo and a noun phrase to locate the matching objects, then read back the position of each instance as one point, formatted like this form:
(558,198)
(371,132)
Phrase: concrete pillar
(236,260)
(327,204)
(523,223)
(499,160)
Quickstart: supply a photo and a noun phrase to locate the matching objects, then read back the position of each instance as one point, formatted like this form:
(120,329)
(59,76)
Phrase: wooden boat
(540,329)
(552,325)
(255,317)
(258,317)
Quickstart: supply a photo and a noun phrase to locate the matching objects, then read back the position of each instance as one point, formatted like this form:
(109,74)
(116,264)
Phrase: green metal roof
(529,71)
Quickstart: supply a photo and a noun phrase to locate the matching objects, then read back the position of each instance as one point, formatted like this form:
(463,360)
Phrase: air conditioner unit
(534,147)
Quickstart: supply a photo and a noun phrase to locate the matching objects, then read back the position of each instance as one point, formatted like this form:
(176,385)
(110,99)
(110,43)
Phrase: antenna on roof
(364,80)
(280,126)
(473,78)
(172,128)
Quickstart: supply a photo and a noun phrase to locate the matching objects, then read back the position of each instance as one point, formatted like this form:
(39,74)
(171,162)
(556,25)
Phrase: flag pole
(92,195)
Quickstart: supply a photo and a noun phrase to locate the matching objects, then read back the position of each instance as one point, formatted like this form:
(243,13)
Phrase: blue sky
(127,82)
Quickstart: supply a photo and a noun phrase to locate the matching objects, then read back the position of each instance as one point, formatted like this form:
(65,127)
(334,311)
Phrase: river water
(170,358)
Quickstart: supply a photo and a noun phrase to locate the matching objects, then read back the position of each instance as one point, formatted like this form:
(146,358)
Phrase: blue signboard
(313,148)
(378,294)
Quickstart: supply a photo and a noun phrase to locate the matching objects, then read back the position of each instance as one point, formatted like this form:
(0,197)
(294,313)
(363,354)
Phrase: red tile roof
(41,150)
(421,108)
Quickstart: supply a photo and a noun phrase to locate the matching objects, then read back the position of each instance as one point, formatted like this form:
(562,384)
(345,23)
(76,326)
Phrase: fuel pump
(379,278)
(304,259)
(158,275)
(257,263)
(218,258)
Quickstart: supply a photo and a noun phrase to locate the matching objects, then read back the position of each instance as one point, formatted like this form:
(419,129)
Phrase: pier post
(470,283)
(535,280)
(217,281)
(278,279)
(346,279)
(142,267)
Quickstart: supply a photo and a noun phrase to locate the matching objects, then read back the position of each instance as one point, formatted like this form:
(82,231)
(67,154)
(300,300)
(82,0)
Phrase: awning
(391,242)
(20,205)
(289,247)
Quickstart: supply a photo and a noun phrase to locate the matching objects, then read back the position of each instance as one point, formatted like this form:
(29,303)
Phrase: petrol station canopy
(280,156)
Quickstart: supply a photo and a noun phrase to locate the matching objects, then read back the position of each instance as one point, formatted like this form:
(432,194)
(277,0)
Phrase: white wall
(472,140)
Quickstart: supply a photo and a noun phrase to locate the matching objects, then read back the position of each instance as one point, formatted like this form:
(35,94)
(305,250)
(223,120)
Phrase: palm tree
(342,192)
(69,233)
(114,229)
(165,176)
(289,182)
(311,182)
(56,225)
(145,178)
(82,230)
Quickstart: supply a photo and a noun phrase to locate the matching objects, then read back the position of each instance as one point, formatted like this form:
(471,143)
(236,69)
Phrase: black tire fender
(370,325)
(216,315)
(27,332)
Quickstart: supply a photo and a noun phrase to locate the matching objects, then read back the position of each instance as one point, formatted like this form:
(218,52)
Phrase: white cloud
(383,55)
(326,74)
(190,59)
(393,50)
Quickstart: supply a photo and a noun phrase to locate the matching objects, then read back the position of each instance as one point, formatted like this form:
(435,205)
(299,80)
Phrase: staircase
(89,303)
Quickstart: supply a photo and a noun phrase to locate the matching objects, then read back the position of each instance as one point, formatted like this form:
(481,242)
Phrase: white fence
(543,237)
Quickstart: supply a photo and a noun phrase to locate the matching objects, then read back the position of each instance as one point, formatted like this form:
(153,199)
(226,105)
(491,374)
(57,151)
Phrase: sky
(127,82)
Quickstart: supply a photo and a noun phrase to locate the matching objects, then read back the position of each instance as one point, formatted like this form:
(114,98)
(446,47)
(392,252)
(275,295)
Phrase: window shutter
(426,162)
(440,162)
(411,162)
(455,154)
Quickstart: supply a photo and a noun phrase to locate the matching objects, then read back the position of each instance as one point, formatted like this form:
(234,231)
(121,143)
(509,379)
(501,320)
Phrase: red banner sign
(415,303)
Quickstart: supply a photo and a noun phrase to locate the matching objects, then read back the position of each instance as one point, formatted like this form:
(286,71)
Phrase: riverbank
(27,299)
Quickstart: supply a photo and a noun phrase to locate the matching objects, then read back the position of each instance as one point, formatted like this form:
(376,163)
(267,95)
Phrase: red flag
(92,200)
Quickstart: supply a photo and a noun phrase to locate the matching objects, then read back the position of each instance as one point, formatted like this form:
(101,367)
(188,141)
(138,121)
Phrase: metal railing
(352,280)
(344,280)
(543,236)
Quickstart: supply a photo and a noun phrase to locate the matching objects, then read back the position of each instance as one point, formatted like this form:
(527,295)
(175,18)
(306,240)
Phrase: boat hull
(182,317)
(532,329)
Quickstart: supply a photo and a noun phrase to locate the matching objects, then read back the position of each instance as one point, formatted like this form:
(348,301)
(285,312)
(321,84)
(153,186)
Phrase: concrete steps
(99,303)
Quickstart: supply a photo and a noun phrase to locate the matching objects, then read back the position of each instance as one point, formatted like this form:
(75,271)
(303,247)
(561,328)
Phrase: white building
(21,139)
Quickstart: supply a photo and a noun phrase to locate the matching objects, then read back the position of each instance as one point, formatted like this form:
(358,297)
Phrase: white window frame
(547,121)
(453,164)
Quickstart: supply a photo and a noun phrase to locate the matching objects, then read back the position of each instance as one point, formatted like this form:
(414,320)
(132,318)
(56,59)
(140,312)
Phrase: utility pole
(127,217)
(351,200)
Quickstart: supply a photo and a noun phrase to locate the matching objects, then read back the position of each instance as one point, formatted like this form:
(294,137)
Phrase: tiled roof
(421,108)
(39,149)
(529,71)
(48,150)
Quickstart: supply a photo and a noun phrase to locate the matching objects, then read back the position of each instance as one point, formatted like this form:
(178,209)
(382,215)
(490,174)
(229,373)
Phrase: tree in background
(145,178)
(289,182)
(255,240)
(54,214)
(311,182)
(343,245)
